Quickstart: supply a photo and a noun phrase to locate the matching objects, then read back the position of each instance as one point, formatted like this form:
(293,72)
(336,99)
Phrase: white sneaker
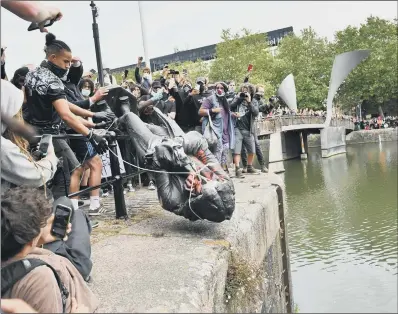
(130,188)
(151,186)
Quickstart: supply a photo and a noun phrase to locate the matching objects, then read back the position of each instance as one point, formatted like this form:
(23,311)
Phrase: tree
(309,58)
(375,79)
(236,52)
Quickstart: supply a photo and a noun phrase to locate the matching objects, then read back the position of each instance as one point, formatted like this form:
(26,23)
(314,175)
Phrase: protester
(190,118)
(84,151)
(86,87)
(26,221)
(146,79)
(45,92)
(259,95)
(231,91)
(216,106)
(244,108)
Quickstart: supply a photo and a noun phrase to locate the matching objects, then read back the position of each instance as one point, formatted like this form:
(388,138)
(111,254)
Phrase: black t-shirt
(42,88)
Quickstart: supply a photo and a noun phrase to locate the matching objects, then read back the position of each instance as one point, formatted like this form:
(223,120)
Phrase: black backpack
(15,271)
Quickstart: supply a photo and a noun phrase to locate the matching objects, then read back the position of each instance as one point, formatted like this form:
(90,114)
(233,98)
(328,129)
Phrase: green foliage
(309,58)
(235,54)
(195,69)
(375,79)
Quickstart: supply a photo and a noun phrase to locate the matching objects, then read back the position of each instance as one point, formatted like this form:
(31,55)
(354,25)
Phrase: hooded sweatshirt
(16,168)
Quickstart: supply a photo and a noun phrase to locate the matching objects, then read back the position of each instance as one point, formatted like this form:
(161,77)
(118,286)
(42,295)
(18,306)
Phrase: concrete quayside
(159,262)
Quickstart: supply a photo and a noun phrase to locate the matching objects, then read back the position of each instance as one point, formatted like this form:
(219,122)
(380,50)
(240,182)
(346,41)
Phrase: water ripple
(343,221)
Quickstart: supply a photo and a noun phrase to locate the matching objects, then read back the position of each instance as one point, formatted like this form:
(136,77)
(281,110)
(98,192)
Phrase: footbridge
(288,137)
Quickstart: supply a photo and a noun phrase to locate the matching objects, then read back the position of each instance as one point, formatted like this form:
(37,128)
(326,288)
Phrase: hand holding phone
(42,26)
(61,222)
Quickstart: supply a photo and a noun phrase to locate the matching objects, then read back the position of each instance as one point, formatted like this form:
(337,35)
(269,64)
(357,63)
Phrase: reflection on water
(343,229)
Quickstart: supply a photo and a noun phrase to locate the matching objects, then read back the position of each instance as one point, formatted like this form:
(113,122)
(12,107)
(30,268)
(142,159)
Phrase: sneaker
(264,169)
(151,186)
(130,188)
(95,212)
(252,170)
(238,174)
(80,203)
(244,170)
(105,194)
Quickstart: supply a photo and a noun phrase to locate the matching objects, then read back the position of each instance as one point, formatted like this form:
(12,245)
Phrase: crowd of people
(57,97)
(379,122)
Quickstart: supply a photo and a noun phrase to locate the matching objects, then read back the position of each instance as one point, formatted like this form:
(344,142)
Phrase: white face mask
(86,92)
(146,75)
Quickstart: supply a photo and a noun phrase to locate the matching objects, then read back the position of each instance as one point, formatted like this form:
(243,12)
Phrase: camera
(174,72)
(242,95)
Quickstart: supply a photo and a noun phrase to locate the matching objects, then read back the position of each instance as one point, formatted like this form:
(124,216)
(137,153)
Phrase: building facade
(206,53)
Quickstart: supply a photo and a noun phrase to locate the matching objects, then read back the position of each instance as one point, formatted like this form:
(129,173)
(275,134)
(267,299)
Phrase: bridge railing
(275,124)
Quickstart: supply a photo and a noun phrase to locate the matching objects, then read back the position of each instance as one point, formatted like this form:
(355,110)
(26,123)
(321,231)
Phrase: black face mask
(59,72)
(165,96)
(201,88)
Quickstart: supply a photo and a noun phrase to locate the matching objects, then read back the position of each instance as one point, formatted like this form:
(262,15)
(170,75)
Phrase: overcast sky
(167,24)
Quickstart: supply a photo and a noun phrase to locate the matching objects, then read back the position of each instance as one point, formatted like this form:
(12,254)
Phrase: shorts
(83,149)
(62,149)
(243,137)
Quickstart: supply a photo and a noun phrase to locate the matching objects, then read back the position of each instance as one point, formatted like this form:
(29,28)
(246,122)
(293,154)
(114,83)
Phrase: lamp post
(147,61)
(94,10)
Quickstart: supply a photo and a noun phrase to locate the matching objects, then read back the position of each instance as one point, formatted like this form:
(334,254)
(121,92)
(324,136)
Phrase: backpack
(15,271)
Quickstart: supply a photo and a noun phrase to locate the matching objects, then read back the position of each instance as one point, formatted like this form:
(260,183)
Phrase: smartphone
(44,143)
(250,67)
(35,26)
(62,217)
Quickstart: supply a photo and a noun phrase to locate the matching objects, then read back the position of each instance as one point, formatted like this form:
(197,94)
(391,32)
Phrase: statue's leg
(141,137)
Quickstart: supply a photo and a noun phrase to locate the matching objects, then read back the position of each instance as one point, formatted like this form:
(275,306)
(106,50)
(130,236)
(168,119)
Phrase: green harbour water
(342,224)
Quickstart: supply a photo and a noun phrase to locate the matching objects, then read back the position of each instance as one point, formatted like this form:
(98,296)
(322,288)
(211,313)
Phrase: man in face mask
(146,79)
(47,106)
(190,119)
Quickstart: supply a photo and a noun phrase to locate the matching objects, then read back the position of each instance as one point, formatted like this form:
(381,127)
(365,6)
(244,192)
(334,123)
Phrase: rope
(197,174)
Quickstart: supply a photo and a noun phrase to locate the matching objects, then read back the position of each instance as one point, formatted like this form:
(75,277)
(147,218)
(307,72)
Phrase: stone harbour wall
(159,262)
